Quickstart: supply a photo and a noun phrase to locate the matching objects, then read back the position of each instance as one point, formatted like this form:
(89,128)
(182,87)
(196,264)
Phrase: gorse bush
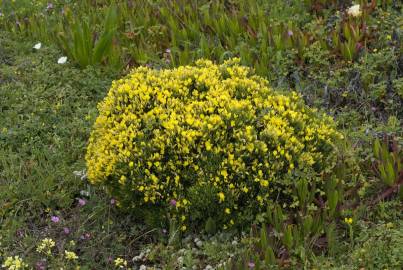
(208,142)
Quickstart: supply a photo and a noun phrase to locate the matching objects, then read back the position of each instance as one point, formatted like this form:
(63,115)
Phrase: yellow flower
(227,211)
(121,263)
(221,197)
(264,183)
(348,220)
(70,255)
(122,180)
(208,145)
(46,246)
(14,263)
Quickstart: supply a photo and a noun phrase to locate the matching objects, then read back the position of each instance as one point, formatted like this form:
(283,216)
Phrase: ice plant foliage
(217,131)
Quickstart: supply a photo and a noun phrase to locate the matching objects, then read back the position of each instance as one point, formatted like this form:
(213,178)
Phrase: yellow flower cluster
(46,246)
(70,255)
(161,132)
(14,263)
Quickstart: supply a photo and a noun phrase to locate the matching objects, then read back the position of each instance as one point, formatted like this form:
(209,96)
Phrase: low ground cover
(52,217)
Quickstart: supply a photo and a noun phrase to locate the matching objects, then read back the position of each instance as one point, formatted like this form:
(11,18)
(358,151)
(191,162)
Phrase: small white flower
(82,174)
(180,260)
(354,11)
(62,60)
(78,173)
(84,193)
(199,243)
(37,46)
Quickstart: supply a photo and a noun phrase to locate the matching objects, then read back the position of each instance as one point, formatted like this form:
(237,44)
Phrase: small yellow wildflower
(221,197)
(208,145)
(348,220)
(122,180)
(46,246)
(70,255)
(14,263)
(120,262)
(264,183)
(227,211)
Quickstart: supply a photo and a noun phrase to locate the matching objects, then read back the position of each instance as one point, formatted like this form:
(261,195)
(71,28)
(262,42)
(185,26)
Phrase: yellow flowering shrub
(206,141)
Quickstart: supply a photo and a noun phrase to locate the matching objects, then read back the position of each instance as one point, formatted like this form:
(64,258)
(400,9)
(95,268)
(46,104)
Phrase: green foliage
(294,234)
(278,38)
(389,157)
(82,44)
(386,253)
(47,110)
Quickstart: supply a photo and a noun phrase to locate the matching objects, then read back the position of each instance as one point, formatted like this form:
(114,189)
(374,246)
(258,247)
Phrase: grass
(47,111)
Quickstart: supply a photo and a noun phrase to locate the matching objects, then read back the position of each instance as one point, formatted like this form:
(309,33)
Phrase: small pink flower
(113,201)
(55,219)
(40,265)
(251,264)
(172,202)
(85,236)
(66,230)
(82,202)
(358,46)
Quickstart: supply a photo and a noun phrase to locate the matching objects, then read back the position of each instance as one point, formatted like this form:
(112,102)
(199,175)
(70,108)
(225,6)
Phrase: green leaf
(103,45)
(377,149)
(288,239)
(269,257)
(332,201)
(263,238)
(391,176)
(308,221)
